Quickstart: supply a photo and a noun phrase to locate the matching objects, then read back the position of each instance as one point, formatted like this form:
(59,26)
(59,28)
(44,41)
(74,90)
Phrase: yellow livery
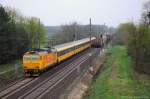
(36,61)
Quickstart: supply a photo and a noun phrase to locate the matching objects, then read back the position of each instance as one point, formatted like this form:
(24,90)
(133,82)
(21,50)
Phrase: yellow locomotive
(36,61)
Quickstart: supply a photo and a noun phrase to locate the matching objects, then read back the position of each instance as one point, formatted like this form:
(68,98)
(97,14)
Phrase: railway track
(39,90)
(11,84)
(36,88)
(56,90)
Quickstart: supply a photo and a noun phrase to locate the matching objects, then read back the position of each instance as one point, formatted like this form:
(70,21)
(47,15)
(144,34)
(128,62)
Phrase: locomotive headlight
(24,67)
(36,66)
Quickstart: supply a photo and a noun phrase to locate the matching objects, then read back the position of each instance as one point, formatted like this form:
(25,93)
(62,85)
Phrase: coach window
(64,51)
(59,53)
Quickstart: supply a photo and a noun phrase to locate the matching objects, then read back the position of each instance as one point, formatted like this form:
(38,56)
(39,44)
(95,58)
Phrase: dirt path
(79,90)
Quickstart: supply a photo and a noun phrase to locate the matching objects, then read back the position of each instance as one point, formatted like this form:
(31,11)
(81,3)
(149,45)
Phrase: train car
(36,61)
(98,42)
(67,50)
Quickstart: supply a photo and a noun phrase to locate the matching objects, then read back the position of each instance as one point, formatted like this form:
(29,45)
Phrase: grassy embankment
(117,80)
(10,72)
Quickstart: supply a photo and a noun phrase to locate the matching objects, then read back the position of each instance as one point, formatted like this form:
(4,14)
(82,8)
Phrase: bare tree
(70,32)
(146,10)
(75,31)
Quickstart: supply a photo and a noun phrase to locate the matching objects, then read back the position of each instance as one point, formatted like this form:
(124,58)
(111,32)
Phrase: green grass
(10,66)
(11,71)
(116,80)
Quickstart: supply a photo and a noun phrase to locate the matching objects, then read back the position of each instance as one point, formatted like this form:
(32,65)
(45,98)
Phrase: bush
(137,40)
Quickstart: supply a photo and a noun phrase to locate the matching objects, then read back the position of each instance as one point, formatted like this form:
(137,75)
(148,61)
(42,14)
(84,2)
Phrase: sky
(58,12)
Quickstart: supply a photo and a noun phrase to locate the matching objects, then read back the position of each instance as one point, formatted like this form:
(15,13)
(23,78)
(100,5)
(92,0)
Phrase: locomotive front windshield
(31,57)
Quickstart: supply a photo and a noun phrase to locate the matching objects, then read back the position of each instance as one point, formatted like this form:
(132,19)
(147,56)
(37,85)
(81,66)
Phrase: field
(118,80)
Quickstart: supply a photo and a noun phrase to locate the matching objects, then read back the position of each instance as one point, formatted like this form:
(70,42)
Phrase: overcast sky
(57,12)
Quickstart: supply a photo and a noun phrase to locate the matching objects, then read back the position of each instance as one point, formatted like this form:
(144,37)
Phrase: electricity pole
(90,60)
(90,30)
(148,15)
(39,35)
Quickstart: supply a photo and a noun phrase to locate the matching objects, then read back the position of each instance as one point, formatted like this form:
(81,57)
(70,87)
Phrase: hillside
(52,29)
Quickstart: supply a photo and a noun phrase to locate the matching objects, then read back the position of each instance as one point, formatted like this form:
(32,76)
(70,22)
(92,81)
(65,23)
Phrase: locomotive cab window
(31,57)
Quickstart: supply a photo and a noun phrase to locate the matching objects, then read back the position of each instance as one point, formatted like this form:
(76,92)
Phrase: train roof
(39,51)
(59,47)
(71,44)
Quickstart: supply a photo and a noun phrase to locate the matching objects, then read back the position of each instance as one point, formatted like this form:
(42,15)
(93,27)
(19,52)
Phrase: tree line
(75,31)
(137,39)
(18,34)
